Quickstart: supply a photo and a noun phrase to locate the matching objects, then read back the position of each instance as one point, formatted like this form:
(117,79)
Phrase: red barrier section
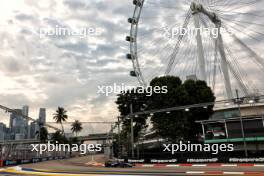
(246,164)
(1,163)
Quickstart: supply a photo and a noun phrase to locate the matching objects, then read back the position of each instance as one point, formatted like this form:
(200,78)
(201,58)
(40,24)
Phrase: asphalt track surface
(79,166)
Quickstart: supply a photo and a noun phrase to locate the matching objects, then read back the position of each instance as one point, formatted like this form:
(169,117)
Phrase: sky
(65,71)
(50,71)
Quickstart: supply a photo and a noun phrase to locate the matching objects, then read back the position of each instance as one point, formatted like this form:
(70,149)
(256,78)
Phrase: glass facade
(225,114)
(231,129)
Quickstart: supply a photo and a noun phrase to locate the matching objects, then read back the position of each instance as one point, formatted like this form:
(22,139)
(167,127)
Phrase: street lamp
(132,122)
(239,101)
(132,130)
(251,101)
(227,104)
(119,138)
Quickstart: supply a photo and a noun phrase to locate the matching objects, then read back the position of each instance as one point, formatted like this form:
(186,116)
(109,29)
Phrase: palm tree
(76,127)
(60,116)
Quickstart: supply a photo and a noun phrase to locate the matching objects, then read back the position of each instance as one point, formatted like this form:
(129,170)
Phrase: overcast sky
(63,71)
(52,71)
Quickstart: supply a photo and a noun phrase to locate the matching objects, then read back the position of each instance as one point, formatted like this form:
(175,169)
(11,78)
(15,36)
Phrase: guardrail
(24,141)
(4,163)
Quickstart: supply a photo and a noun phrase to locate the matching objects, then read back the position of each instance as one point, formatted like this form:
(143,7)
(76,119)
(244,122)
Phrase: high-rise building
(15,120)
(42,116)
(2,131)
(18,125)
(12,121)
(25,111)
(34,129)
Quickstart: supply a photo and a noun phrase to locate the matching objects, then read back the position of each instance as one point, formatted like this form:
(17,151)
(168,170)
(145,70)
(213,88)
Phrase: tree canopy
(60,116)
(180,125)
(43,134)
(136,101)
(76,127)
(176,125)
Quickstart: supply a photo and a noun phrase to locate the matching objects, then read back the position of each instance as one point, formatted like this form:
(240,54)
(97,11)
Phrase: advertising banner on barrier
(35,160)
(10,162)
(44,159)
(195,160)
(25,161)
(136,161)
(246,160)
(163,161)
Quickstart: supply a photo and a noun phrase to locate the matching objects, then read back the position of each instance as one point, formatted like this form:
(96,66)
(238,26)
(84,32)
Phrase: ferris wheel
(218,41)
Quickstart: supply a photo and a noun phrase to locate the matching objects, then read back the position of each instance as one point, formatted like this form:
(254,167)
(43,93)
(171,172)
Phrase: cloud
(75,5)
(24,17)
(65,71)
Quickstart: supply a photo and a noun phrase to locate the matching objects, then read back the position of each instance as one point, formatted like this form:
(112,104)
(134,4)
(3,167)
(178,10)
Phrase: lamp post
(241,123)
(131,116)
(132,130)
(119,137)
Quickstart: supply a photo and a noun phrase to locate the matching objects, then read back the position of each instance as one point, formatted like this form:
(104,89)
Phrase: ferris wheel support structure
(198,8)
(195,10)
(200,48)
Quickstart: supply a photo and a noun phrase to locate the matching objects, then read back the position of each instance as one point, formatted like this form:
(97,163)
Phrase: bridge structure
(91,137)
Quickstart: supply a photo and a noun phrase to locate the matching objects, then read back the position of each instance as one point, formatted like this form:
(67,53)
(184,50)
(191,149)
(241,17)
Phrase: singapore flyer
(211,40)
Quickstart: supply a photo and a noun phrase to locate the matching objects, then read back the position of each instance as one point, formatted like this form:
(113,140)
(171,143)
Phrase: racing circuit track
(79,166)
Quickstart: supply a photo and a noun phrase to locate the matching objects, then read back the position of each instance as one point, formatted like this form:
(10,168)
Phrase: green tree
(198,92)
(137,101)
(168,125)
(60,116)
(57,137)
(76,127)
(43,134)
(180,125)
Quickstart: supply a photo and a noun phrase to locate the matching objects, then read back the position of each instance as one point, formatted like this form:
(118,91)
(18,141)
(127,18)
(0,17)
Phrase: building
(34,129)
(12,120)
(19,136)
(42,116)
(18,125)
(2,131)
(25,111)
(232,110)
(243,126)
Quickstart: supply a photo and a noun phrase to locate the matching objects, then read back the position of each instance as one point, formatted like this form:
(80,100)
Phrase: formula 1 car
(121,164)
